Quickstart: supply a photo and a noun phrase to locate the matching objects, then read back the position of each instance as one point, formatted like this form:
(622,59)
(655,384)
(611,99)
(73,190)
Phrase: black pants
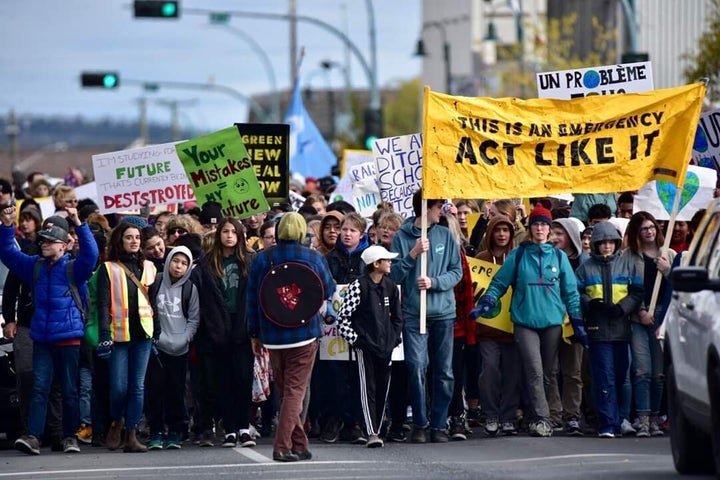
(374,376)
(165,398)
(204,389)
(398,398)
(235,378)
(457,405)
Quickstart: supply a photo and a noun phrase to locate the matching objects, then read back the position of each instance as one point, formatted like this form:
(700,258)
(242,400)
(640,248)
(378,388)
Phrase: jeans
(438,344)
(538,349)
(647,366)
(86,394)
(51,361)
(128,364)
(609,362)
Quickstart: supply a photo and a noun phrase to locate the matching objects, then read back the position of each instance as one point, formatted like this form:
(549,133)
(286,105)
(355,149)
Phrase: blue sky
(45,44)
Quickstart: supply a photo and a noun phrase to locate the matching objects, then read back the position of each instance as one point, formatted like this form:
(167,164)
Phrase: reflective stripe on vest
(119,315)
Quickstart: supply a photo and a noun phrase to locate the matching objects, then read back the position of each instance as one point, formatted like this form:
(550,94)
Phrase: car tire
(691,450)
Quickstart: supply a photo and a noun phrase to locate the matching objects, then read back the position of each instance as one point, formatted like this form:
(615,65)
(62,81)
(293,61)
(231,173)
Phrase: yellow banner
(502,148)
(482,273)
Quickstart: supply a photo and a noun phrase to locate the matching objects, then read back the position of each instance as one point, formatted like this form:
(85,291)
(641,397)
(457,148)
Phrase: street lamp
(421,52)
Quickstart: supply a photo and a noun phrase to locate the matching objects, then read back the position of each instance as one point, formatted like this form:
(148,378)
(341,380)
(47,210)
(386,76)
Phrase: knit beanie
(135,221)
(211,213)
(540,214)
(292,227)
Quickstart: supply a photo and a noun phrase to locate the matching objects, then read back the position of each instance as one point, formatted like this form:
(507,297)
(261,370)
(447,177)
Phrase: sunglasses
(177,231)
(71,200)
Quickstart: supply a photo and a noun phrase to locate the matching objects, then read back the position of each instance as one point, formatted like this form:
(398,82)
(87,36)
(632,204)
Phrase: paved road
(478,458)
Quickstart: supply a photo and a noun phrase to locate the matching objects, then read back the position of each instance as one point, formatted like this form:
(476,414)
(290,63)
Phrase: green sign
(219,169)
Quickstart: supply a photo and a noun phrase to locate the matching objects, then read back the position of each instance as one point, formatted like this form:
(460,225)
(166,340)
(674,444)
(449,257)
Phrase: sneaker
(606,434)
(419,435)
(643,428)
(70,445)
(397,435)
(246,440)
(85,434)
(306,455)
(207,439)
(626,428)
(557,426)
(285,457)
(230,440)
(174,441)
(156,442)
(357,436)
(541,428)
(374,441)
(491,426)
(508,429)
(473,417)
(28,444)
(572,427)
(457,429)
(331,432)
(439,436)
(655,430)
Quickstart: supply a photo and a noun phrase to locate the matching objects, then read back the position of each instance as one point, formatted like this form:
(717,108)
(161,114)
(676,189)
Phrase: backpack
(187,289)
(521,252)
(72,286)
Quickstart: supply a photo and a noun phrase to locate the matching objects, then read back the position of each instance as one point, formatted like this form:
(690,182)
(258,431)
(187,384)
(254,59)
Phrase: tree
(706,62)
(402,113)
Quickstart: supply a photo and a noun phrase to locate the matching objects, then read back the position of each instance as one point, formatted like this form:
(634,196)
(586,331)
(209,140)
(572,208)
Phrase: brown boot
(112,441)
(132,444)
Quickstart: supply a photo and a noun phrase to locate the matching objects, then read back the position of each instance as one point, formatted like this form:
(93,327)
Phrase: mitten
(579,333)
(105,343)
(483,307)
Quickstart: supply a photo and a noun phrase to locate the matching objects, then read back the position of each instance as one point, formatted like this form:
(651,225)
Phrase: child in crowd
(175,302)
(611,288)
(371,321)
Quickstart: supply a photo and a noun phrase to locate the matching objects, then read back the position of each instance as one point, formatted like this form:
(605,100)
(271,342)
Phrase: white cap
(376,252)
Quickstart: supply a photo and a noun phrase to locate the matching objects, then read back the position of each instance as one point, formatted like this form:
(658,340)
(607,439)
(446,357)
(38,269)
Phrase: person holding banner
(645,240)
(544,289)
(444,271)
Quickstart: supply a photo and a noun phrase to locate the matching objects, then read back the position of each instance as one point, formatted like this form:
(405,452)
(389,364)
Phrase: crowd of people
(147,332)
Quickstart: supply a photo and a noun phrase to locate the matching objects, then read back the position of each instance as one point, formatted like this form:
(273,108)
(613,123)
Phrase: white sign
(706,149)
(351,158)
(366,195)
(131,179)
(657,197)
(605,80)
(399,170)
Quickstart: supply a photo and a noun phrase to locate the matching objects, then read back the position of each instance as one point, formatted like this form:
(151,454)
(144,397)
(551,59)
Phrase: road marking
(253,455)
(566,457)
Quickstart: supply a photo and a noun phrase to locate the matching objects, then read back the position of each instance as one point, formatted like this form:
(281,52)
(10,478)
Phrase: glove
(330,314)
(597,305)
(615,311)
(579,333)
(105,343)
(486,304)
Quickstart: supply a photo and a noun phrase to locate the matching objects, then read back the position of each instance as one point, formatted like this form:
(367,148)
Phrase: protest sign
(268,147)
(604,80)
(482,273)
(332,345)
(399,170)
(130,179)
(504,148)
(220,170)
(657,197)
(351,158)
(706,149)
(365,193)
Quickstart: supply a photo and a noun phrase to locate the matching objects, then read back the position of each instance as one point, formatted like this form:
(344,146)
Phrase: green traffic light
(169,9)
(110,81)
(370,141)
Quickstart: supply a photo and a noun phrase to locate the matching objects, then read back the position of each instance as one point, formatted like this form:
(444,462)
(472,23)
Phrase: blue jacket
(56,315)
(345,267)
(544,289)
(444,268)
(259,325)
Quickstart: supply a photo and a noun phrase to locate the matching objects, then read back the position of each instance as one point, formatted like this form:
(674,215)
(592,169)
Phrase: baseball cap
(55,229)
(376,252)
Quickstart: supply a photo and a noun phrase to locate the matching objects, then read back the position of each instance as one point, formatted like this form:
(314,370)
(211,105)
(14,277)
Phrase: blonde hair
(59,194)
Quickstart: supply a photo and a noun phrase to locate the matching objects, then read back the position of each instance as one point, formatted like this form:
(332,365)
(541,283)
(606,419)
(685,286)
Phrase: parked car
(692,352)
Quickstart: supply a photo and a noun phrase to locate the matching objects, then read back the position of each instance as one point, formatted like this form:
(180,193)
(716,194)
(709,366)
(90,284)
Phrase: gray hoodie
(176,331)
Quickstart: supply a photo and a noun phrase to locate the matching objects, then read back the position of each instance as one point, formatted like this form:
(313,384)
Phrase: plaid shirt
(260,325)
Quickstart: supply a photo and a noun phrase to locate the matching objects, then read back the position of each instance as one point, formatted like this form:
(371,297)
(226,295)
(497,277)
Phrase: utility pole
(175,114)
(292,14)
(13,132)
(142,120)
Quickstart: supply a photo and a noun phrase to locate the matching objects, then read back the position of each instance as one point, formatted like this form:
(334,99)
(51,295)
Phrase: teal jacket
(544,289)
(443,267)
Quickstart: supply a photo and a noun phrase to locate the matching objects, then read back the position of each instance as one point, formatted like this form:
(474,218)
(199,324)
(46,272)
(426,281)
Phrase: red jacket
(464,303)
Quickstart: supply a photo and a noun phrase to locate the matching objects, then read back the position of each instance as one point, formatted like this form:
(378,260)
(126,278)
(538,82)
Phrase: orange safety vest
(119,308)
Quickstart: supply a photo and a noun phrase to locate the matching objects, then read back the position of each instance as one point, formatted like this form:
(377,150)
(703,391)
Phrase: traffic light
(373,126)
(156,9)
(100,79)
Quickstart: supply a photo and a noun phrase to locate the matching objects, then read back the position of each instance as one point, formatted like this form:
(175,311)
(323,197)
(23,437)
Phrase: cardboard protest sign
(351,158)
(482,273)
(706,149)
(366,195)
(131,179)
(504,148)
(220,170)
(399,170)
(604,80)
(657,197)
(268,147)
(332,345)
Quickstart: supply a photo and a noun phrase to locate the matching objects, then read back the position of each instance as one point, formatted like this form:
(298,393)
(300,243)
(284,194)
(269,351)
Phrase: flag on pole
(310,155)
